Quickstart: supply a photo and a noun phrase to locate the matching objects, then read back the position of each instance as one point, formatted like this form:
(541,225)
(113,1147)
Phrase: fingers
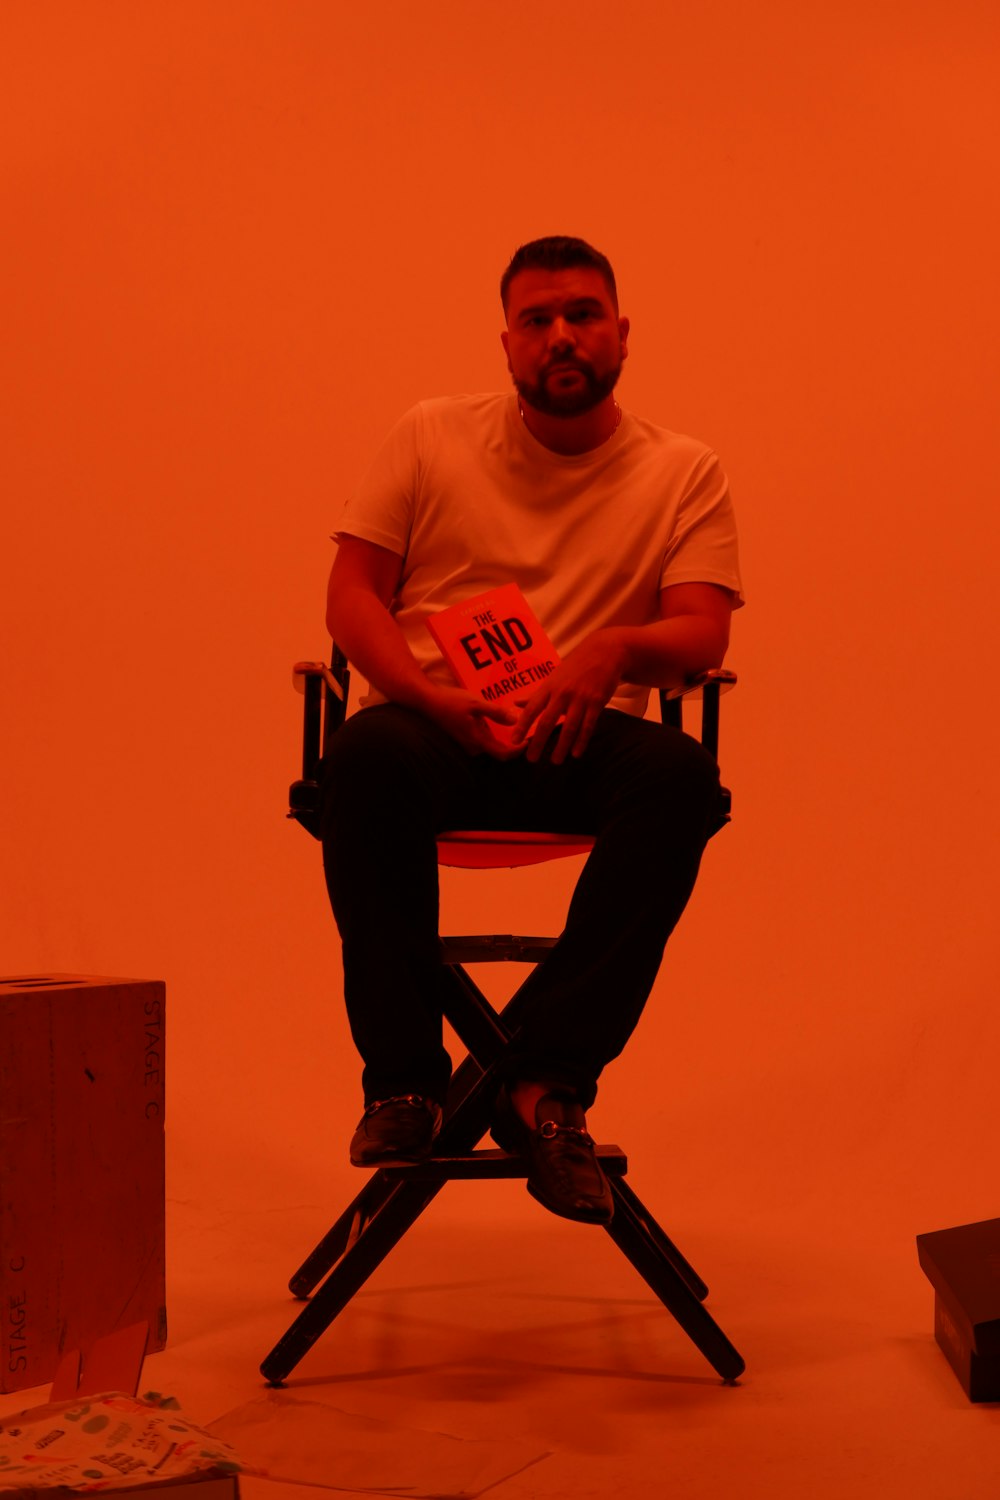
(530,708)
(574,714)
(479,738)
(498,711)
(574,737)
(540,716)
(576,720)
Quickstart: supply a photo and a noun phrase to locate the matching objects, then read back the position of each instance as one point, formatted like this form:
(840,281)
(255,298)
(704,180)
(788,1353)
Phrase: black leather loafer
(397,1132)
(564,1174)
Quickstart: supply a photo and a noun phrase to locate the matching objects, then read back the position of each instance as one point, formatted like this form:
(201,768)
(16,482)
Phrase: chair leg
(466,1121)
(630,1230)
(459,1125)
(660,1239)
(468,1111)
(374,1222)
(341,1235)
(404,1204)
(387,1206)
(634,1229)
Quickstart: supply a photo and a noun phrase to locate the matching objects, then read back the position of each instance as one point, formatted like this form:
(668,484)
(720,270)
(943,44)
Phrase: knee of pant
(701,767)
(365,758)
(688,778)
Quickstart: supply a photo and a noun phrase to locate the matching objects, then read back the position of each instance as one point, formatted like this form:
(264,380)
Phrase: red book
(495,646)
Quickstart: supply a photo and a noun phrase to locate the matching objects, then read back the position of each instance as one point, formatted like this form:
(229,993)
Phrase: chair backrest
(326,690)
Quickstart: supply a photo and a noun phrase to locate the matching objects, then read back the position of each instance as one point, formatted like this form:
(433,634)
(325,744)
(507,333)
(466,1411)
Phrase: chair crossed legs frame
(394,1197)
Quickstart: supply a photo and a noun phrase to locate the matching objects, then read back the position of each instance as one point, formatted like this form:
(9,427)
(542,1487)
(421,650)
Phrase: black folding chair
(394,1197)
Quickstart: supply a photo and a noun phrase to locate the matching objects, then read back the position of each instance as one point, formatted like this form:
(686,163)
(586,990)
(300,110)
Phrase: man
(620,535)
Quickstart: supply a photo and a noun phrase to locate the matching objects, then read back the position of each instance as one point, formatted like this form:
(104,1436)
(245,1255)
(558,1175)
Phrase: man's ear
(623,331)
(506,349)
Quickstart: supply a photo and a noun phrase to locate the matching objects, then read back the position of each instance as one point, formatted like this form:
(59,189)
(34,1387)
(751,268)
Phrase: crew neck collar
(528,440)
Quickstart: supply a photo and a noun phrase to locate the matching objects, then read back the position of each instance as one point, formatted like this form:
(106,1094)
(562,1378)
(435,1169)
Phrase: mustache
(565,364)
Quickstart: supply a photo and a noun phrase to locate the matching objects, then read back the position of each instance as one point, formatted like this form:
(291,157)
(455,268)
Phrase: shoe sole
(394,1161)
(578,1218)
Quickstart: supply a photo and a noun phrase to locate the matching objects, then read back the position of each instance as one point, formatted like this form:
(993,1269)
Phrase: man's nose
(561,334)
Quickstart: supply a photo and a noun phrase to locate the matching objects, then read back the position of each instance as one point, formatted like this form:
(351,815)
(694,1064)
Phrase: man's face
(564,341)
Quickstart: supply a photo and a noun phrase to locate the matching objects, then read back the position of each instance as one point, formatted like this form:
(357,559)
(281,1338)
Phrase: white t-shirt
(470,500)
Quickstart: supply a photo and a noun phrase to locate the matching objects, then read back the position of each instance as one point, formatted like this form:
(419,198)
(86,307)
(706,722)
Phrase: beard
(572,403)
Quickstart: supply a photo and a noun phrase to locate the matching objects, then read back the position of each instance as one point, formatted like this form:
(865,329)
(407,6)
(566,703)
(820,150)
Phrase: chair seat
(489,849)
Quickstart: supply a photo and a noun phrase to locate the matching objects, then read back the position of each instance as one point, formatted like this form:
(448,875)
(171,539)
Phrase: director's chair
(394,1197)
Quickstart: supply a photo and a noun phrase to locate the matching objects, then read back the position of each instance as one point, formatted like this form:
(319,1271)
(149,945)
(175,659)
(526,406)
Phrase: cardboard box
(81,1167)
(963,1266)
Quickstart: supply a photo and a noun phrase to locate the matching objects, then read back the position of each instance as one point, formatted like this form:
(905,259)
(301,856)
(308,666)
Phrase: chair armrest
(321,670)
(325,690)
(709,685)
(720,675)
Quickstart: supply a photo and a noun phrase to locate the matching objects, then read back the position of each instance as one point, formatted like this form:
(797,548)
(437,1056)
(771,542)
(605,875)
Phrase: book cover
(495,646)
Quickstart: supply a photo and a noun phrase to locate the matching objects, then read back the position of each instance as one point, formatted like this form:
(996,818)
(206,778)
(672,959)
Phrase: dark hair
(557,252)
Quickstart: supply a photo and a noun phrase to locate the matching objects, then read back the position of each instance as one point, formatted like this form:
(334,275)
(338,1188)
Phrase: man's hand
(576,692)
(464,714)
(691,636)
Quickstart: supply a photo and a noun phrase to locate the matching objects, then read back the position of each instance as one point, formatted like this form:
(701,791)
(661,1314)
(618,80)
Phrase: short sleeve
(381,508)
(703,547)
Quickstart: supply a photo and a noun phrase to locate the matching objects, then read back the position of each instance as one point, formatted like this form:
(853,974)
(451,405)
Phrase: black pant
(393,780)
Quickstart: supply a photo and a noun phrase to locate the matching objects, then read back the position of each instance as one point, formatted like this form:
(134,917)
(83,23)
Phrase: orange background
(240,240)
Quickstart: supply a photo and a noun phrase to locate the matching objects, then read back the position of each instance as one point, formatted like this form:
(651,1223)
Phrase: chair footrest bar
(480,1166)
(494,948)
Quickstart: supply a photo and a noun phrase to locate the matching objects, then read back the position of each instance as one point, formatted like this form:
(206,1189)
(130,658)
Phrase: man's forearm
(667,653)
(372,641)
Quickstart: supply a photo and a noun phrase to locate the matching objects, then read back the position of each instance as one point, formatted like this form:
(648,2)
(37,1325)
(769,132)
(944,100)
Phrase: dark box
(963,1266)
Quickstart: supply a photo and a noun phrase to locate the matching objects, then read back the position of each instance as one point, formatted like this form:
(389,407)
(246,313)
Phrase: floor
(501,1349)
